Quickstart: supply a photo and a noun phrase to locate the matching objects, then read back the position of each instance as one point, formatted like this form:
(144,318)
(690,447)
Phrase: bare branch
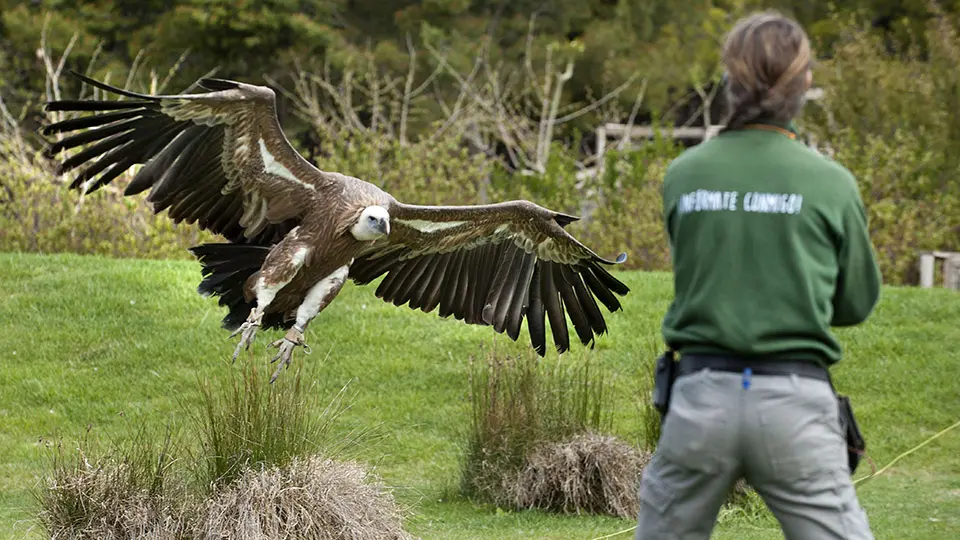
(443,104)
(12,123)
(63,61)
(464,85)
(546,135)
(133,71)
(603,100)
(342,99)
(407,91)
(89,70)
(427,82)
(621,144)
(458,106)
(173,70)
(528,57)
(376,92)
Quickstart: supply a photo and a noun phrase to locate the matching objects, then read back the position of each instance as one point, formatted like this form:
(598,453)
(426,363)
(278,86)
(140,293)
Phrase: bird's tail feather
(225,268)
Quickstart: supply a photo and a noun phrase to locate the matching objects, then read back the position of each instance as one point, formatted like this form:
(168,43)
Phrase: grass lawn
(114,344)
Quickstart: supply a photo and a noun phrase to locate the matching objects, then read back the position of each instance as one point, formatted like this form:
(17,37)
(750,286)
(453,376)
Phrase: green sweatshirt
(770,248)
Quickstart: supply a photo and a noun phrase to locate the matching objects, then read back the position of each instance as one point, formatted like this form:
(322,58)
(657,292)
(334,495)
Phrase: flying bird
(295,234)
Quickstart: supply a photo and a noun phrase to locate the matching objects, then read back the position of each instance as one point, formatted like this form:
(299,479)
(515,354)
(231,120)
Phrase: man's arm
(859,279)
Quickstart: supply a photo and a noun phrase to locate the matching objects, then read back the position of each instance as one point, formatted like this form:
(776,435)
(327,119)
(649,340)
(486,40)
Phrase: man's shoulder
(817,167)
(828,172)
(692,157)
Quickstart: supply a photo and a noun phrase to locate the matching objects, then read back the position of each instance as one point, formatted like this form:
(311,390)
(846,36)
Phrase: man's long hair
(767,56)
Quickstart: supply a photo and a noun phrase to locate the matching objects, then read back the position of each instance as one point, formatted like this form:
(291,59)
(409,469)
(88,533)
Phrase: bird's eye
(371,218)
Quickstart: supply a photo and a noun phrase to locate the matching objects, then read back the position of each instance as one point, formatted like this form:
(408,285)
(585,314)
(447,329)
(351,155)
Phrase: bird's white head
(374,223)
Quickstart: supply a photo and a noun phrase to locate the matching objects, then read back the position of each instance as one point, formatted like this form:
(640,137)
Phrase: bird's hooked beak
(383,226)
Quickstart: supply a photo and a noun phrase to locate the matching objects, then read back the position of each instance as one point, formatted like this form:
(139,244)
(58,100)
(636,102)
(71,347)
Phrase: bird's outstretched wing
(219,159)
(494,265)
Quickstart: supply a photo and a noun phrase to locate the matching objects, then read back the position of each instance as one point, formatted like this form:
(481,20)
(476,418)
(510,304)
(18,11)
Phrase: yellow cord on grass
(907,453)
(855,482)
(618,533)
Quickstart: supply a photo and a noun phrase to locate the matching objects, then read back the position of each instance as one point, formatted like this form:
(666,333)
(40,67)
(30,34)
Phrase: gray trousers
(781,434)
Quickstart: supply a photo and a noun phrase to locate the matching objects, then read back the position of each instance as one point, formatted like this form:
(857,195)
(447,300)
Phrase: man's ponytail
(767,57)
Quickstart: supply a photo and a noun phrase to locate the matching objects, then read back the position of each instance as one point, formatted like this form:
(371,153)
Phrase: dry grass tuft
(107,501)
(592,473)
(309,498)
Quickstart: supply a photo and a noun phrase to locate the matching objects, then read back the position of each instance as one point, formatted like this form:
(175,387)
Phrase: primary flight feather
(295,234)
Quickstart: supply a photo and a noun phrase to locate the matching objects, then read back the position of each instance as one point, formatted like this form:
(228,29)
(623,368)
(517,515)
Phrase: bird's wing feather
(219,159)
(495,264)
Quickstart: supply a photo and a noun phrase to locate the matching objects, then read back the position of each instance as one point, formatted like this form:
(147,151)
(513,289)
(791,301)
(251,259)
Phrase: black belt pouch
(856,445)
(665,373)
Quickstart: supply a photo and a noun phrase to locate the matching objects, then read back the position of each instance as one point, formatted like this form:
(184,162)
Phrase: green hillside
(117,343)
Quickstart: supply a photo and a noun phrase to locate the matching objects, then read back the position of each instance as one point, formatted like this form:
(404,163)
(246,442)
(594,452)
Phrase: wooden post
(926,270)
(951,272)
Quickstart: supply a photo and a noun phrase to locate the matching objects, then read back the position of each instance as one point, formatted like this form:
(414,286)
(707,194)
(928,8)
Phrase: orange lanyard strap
(786,132)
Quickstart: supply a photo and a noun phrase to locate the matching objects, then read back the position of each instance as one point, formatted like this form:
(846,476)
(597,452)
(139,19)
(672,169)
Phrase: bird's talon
(285,355)
(248,331)
(286,344)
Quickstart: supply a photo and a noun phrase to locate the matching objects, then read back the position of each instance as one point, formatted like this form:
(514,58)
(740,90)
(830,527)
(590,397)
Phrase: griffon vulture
(296,233)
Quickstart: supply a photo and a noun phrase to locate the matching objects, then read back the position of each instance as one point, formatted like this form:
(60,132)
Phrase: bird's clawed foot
(293,338)
(247,331)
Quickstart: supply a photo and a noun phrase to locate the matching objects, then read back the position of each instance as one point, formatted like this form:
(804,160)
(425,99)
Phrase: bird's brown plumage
(220,160)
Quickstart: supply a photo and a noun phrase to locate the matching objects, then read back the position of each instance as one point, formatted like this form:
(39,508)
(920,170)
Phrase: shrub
(39,214)
(743,504)
(741,499)
(902,154)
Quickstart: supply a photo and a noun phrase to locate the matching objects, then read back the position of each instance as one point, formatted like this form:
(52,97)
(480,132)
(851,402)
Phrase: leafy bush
(895,123)
(494,147)
(39,214)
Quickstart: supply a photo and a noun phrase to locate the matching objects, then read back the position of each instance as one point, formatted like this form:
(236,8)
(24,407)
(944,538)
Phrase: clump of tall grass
(648,417)
(127,491)
(245,422)
(528,415)
(271,463)
(263,461)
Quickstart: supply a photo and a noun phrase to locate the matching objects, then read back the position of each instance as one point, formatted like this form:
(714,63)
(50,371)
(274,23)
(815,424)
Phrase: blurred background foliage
(466,101)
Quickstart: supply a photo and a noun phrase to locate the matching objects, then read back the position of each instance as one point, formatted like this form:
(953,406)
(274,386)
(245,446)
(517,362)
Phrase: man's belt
(695,362)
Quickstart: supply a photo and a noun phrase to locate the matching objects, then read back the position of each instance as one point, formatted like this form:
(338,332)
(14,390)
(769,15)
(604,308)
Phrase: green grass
(117,344)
